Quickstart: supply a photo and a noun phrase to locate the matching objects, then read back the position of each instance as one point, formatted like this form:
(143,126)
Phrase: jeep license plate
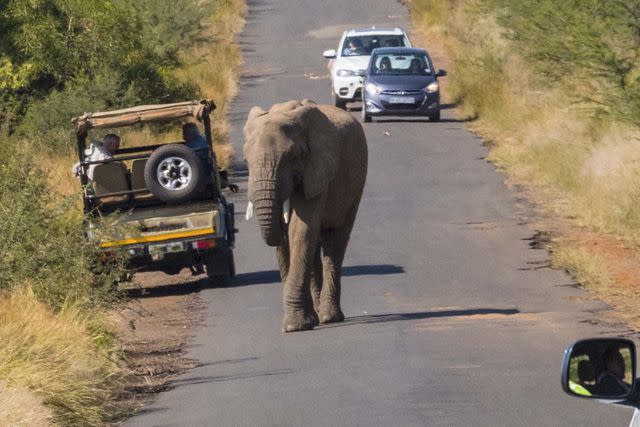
(159,250)
(402,100)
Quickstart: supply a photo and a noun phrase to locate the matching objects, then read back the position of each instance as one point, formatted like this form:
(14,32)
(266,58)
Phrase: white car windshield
(363,45)
(401,64)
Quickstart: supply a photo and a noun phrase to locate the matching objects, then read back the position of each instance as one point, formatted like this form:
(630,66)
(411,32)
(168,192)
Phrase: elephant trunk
(268,212)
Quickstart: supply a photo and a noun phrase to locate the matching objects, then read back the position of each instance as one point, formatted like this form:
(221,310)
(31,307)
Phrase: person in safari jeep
(98,150)
(194,140)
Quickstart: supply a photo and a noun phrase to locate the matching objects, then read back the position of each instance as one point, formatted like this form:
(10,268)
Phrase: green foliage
(596,42)
(83,55)
(41,243)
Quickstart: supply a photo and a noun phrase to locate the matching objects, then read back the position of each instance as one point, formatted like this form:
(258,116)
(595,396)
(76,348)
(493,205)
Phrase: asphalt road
(450,320)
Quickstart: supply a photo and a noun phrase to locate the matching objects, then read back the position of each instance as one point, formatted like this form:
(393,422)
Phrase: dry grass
(20,407)
(588,269)
(539,135)
(605,268)
(583,169)
(64,361)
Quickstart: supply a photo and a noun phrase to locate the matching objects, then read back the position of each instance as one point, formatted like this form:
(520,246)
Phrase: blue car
(401,82)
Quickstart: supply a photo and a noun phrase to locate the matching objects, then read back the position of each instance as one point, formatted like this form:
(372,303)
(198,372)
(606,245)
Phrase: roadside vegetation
(554,89)
(59,362)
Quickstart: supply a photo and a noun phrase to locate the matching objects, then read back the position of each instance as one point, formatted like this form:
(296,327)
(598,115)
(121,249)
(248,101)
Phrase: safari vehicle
(603,369)
(162,203)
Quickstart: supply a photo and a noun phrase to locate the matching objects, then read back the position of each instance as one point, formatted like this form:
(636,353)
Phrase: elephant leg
(282,255)
(334,246)
(303,243)
(316,283)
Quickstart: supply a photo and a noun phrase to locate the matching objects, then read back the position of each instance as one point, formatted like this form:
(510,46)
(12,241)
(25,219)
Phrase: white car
(348,63)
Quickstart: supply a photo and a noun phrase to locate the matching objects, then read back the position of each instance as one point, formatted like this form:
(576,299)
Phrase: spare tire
(174,173)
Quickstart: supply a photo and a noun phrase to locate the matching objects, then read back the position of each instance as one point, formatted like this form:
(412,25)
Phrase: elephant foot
(298,322)
(331,315)
(314,317)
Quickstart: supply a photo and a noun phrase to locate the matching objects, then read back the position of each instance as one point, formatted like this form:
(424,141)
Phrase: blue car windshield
(363,45)
(400,64)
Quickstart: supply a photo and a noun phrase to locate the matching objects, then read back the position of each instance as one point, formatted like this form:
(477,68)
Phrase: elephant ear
(322,158)
(255,112)
(251,123)
(285,106)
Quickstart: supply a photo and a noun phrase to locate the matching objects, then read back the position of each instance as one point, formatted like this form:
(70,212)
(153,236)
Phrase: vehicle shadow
(174,289)
(249,279)
(425,120)
(421,315)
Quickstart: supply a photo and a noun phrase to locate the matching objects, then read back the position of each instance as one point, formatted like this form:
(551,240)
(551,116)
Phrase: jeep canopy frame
(199,110)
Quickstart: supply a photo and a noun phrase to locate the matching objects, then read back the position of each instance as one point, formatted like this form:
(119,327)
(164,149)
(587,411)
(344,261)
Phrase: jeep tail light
(205,244)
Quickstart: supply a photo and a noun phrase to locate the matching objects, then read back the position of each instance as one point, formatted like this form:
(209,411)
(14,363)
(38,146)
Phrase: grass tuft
(64,361)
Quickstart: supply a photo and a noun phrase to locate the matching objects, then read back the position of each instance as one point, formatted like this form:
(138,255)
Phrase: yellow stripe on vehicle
(159,237)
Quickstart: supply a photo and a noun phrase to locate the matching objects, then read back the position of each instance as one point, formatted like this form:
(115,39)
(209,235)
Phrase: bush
(41,241)
(84,56)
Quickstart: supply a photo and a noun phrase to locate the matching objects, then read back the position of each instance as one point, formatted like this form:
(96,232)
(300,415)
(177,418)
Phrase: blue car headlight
(372,88)
(432,87)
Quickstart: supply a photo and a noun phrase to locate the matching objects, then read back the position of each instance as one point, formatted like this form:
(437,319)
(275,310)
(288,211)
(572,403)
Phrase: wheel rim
(174,173)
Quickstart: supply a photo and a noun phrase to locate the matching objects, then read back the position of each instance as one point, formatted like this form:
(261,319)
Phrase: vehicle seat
(137,174)
(110,178)
(137,179)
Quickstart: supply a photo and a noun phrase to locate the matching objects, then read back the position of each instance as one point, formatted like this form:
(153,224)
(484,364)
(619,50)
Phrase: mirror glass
(601,368)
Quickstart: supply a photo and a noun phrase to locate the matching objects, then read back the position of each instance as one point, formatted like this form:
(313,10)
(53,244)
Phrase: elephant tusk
(286,210)
(249,213)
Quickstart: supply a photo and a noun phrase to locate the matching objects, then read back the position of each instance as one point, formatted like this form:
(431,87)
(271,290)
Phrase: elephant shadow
(273,276)
(421,315)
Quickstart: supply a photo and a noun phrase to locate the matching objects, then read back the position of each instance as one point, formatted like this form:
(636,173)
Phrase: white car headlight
(346,73)
(432,87)
(372,88)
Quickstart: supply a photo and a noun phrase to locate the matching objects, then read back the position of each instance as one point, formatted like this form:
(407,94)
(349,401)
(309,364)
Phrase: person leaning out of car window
(98,150)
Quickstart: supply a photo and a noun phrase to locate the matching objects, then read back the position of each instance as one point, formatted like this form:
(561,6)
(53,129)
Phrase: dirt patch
(154,329)
(615,274)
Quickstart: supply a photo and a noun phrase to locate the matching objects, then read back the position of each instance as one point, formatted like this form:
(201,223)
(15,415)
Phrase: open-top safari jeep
(162,203)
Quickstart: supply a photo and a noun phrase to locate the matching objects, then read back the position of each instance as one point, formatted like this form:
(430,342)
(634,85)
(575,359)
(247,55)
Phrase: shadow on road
(167,290)
(231,377)
(254,278)
(273,276)
(421,315)
(424,120)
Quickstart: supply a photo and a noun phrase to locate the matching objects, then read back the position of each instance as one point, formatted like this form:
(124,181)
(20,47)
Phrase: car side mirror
(361,73)
(441,73)
(329,54)
(600,368)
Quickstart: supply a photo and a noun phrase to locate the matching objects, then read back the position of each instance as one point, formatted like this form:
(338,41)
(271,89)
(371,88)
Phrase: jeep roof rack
(142,114)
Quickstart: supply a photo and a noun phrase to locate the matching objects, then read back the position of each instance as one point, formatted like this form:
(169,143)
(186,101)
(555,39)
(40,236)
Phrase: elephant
(307,170)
